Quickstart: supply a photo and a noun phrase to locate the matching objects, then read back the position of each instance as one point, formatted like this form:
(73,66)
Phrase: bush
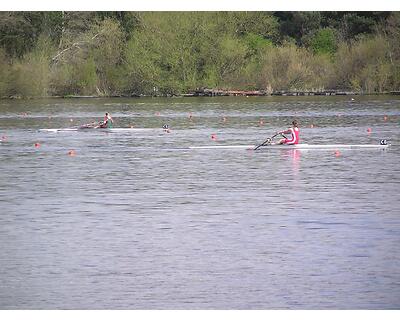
(292,68)
(4,74)
(364,65)
(31,74)
(107,52)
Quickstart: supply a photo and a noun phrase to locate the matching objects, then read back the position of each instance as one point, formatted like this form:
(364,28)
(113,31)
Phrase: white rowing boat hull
(327,146)
(302,146)
(225,147)
(99,129)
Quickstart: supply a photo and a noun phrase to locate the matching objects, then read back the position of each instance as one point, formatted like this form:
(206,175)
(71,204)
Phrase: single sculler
(294,132)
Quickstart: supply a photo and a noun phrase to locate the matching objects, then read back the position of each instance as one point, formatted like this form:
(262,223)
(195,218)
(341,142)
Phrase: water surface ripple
(137,221)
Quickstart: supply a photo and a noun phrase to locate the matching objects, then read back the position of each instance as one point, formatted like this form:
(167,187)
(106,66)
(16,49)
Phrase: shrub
(4,74)
(364,65)
(31,74)
(324,42)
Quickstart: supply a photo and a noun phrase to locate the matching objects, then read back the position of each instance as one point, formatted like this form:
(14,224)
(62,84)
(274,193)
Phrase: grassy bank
(68,54)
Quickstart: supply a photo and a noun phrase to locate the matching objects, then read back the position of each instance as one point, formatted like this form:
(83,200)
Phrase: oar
(269,140)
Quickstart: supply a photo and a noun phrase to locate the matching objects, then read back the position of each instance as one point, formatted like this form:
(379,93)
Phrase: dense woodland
(169,53)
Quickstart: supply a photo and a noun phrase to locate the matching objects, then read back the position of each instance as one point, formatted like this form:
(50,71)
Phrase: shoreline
(216,93)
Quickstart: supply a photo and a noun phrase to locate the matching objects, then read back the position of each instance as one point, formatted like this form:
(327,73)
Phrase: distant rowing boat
(303,146)
(99,129)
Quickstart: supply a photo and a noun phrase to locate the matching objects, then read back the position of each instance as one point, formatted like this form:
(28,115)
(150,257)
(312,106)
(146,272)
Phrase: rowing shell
(303,146)
(99,129)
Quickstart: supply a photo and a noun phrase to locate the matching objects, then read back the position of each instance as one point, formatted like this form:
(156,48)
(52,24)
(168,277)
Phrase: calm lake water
(135,220)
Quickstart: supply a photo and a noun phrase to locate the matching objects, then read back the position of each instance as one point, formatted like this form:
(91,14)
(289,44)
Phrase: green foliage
(77,78)
(256,43)
(31,74)
(181,51)
(297,25)
(395,77)
(142,74)
(324,42)
(88,64)
(167,53)
(62,81)
(259,23)
(129,21)
(107,52)
(284,68)
(392,29)
(20,31)
(354,24)
(86,77)
(4,74)
(364,65)
(232,58)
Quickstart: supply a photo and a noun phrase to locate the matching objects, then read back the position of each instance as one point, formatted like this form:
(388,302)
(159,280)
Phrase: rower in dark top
(108,121)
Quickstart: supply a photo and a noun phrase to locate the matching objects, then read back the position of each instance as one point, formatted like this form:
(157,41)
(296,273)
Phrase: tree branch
(74,45)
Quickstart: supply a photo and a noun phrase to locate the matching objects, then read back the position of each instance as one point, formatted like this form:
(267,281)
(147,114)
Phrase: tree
(298,24)
(107,50)
(263,24)
(20,31)
(324,42)
(128,21)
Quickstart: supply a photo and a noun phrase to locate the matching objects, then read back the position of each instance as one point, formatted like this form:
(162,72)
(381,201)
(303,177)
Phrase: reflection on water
(293,157)
(137,221)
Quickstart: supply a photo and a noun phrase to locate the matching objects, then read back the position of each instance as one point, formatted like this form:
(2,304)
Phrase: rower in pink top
(294,132)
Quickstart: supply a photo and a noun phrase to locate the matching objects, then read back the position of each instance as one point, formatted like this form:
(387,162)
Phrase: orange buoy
(37,145)
(71,153)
